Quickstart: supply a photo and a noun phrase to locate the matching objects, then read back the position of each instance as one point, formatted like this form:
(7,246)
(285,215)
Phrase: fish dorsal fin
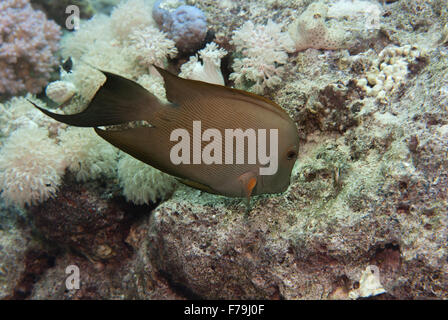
(179,90)
(183,91)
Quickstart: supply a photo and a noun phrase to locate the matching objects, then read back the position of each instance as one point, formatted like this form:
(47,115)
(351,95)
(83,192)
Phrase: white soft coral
(130,15)
(88,156)
(151,46)
(31,166)
(264,50)
(142,183)
(210,68)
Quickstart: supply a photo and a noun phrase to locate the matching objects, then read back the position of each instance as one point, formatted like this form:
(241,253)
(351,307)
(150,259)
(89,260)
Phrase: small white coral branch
(369,284)
(210,68)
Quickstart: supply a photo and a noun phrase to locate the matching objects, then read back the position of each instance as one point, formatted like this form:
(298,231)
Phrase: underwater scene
(223,149)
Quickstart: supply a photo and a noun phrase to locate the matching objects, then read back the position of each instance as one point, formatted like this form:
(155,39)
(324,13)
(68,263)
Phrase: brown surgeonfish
(213,138)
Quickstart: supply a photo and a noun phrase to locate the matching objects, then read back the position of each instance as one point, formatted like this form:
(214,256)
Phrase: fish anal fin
(197,185)
(132,141)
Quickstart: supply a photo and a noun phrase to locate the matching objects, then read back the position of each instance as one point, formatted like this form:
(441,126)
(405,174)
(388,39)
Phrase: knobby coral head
(28,43)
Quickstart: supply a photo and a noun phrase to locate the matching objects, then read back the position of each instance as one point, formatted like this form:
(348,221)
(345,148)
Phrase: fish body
(214,109)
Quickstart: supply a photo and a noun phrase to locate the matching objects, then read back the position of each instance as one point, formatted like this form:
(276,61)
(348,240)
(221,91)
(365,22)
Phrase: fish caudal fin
(117,101)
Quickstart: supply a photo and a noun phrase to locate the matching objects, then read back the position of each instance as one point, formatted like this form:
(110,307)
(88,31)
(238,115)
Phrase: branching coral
(28,42)
(142,183)
(310,30)
(210,68)
(31,166)
(264,50)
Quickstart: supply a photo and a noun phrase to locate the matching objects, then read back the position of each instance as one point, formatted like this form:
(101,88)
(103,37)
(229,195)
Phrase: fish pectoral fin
(248,181)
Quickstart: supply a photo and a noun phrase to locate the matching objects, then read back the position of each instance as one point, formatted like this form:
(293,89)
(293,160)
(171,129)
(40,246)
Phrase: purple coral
(28,42)
(186,25)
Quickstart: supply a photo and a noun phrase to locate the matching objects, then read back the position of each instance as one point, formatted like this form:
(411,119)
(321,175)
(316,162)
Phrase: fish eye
(291,155)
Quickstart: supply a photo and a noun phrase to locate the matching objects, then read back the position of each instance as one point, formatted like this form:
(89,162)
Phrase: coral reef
(103,222)
(88,156)
(141,183)
(124,48)
(60,91)
(185,24)
(310,30)
(29,42)
(368,193)
(12,266)
(151,46)
(127,16)
(264,50)
(389,71)
(210,68)
(31,166)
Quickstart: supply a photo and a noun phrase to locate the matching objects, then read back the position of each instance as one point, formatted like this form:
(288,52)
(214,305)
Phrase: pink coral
(28,42)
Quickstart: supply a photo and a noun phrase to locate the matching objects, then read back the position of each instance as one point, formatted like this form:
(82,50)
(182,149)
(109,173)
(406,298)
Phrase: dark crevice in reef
(387,258)
(36,263)
(89,220)
(178,288)
(84,220)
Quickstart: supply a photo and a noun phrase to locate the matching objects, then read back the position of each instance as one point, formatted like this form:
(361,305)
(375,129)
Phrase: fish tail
(118,101)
